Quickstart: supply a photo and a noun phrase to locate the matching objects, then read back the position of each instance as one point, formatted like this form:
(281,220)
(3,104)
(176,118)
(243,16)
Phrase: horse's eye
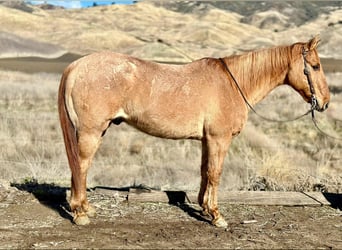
(316,67)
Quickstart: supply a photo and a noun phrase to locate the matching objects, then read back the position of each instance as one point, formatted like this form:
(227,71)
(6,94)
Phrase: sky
(79,3)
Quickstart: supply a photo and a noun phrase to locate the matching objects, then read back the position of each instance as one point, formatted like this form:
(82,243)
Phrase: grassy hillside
(158,31)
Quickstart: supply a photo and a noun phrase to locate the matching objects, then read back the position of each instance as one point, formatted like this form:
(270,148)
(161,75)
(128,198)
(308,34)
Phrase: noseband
(314,102)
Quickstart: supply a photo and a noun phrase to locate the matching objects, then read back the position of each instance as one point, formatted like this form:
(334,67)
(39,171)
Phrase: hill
(167,31)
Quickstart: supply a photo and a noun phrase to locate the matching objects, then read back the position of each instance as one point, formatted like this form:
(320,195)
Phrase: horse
(200,100)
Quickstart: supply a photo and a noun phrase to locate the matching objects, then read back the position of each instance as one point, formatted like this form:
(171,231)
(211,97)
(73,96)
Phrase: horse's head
(306,74)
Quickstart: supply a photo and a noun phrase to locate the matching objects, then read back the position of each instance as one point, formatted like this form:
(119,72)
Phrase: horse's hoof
(220,222)
(81,220)
(91,212)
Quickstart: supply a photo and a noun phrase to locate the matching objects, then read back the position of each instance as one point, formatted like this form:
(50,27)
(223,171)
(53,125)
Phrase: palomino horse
(199,100)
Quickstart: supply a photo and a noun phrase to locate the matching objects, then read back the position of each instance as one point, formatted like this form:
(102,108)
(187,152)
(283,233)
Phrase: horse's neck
(258,73)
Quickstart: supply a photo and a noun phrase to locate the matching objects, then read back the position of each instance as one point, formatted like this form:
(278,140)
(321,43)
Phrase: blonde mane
(257,69)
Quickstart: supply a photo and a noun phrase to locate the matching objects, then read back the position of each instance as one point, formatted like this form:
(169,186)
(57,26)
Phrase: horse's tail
(68,128)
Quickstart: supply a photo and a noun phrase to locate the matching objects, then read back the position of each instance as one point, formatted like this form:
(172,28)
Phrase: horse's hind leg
(213,153)
(88,143)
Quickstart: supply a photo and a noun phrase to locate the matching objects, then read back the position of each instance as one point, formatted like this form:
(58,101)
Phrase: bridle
(314,102)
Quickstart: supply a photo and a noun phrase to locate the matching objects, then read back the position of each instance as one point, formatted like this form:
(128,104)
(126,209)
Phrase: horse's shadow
(335,200)
(55,198)
(181,200)
(50,195)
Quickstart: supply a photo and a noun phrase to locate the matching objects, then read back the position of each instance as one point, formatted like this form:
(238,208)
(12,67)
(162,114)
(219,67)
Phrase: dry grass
(31,145)
(289,156)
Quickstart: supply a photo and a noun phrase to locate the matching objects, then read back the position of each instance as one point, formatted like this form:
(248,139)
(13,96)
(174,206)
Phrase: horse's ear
(312,44)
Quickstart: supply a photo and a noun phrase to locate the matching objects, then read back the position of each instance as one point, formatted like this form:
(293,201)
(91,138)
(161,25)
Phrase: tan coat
(197,101)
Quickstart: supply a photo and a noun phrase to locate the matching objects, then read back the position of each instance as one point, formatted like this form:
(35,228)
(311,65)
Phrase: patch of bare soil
(37,216)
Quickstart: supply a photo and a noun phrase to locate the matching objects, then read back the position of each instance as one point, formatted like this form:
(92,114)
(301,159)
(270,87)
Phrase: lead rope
(321,131)
(251,107)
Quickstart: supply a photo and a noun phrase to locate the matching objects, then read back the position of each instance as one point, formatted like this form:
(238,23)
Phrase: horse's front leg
(213,154)
(203,194)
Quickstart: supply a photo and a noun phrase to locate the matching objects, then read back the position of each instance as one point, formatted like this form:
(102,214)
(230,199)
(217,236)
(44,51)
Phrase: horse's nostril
(325,106)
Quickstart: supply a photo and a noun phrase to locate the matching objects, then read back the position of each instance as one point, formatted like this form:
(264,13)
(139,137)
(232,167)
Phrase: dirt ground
(37,216)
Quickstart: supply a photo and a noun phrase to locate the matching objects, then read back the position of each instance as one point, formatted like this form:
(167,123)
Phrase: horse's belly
(168,128)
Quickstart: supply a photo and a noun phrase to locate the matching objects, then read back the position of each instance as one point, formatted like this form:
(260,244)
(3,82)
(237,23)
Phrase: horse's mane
(261,66)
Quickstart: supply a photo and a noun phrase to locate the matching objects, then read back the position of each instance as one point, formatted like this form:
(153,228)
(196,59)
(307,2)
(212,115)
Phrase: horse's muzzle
(315,104)
(324,107)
